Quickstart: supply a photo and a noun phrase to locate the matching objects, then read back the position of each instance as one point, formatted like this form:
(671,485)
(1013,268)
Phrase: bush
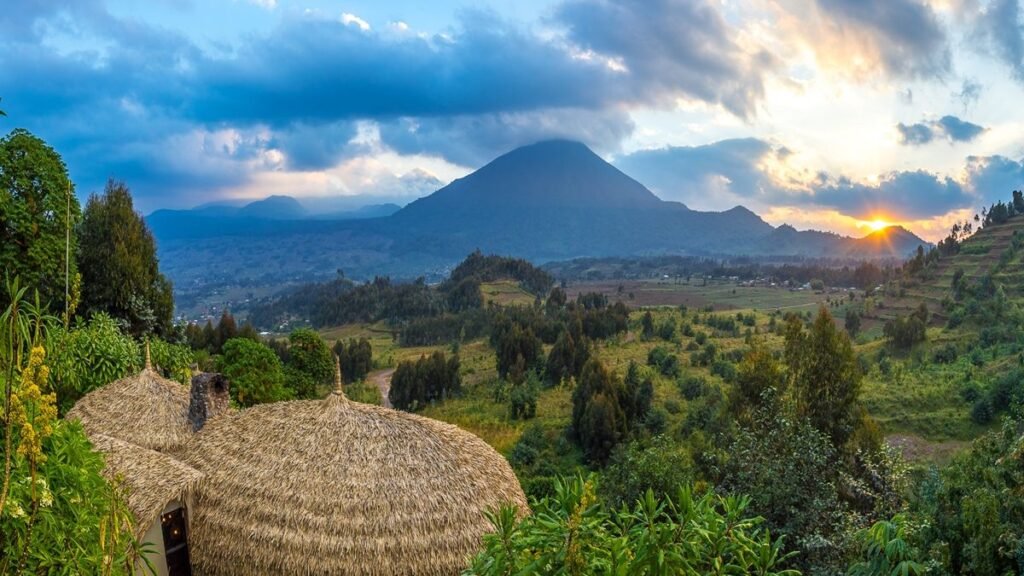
(91,355)
(982,412)
(685,534)
(254,371)
(659,464)
(945,355)
(693,387)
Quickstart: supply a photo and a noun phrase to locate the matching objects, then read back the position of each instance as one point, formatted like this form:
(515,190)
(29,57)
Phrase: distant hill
(554,200)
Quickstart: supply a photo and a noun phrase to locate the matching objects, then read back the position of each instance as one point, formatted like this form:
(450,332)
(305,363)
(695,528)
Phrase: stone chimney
(209,397)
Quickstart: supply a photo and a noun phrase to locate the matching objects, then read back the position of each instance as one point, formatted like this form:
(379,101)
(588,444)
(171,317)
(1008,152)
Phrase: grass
(506,293)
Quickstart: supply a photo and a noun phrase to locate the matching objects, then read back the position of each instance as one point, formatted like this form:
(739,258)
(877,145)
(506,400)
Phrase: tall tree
(120,272)
(37,208)
(824,376)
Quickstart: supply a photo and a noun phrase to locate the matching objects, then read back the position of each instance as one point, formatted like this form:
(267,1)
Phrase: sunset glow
(878,224)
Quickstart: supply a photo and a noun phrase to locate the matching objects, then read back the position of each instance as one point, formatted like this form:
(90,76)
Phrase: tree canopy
(120,272)
(38,209)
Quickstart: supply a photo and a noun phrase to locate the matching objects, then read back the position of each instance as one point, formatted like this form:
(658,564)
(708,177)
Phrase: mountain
(554,200)
(894,241)
(557,199)
(274,208)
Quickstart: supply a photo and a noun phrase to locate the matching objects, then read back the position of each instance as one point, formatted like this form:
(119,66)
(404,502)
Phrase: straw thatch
(146,409)
(153,479)
(338,487)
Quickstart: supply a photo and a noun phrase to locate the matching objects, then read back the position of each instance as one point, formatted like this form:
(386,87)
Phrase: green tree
(852,323)
(255,372)
(825,378)
(120,272)
(309,363)
(38,208)
(757,374)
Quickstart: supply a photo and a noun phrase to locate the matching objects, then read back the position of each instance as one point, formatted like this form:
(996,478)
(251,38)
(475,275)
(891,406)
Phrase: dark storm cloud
(907,34)
(948,128)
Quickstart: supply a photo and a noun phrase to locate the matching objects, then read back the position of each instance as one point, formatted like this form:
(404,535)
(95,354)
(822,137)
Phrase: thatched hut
(338,487)
(145,409)
(157,486)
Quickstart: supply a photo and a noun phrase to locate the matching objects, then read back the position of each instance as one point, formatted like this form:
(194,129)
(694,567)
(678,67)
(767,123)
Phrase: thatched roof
(339,487)
(153,479)
(145,409)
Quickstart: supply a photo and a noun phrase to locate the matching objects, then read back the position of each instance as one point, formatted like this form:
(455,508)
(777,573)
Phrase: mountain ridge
(553,200)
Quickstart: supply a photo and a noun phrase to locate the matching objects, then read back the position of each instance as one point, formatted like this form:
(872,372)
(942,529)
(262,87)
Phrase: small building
(326,486)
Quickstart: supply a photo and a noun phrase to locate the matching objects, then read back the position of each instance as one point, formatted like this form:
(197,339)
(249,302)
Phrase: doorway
(176,542)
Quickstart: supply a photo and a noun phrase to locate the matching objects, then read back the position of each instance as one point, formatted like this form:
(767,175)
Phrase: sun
(878,224)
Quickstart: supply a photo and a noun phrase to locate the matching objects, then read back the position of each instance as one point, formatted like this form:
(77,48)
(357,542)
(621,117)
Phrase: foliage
(94,354)
(517,349)
(758,373)
(523,397)
(57,513)
(356,358)
(66,518)
(309,361)
(659,464)
(255,372)
(572,533)
(606,409)
(904,332)
(477,268)
(173,361)
(663,361)
(212,338)
(429,379)
(973,509)
(120,273)
(824,376)
(885,550)
(791,471)
(37,209)
(568,354)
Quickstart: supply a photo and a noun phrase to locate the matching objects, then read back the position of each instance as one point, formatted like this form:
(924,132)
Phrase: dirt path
(382,380)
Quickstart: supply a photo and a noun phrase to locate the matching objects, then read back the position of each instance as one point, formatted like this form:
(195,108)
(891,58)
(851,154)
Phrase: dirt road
(382,380)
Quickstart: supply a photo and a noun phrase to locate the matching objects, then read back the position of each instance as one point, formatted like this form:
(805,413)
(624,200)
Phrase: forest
(650,440)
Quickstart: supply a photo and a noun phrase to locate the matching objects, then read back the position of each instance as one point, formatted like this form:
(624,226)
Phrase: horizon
(824,114)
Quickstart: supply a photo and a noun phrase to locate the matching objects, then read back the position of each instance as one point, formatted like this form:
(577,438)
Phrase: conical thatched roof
(146,409)
(338,487)
(153,479)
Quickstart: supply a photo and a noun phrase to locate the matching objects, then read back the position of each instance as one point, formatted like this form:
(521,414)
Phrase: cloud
(908,195)
(902,38)
(712,176)
(948,127)
(992,178)
(477,139)
(969,93)
(763,175)
(998,25)
(670,49)
(347,19)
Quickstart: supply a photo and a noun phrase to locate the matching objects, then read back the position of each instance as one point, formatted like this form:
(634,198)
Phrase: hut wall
(153,543)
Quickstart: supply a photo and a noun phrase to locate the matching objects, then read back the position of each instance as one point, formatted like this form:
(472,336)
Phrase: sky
(824,114)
